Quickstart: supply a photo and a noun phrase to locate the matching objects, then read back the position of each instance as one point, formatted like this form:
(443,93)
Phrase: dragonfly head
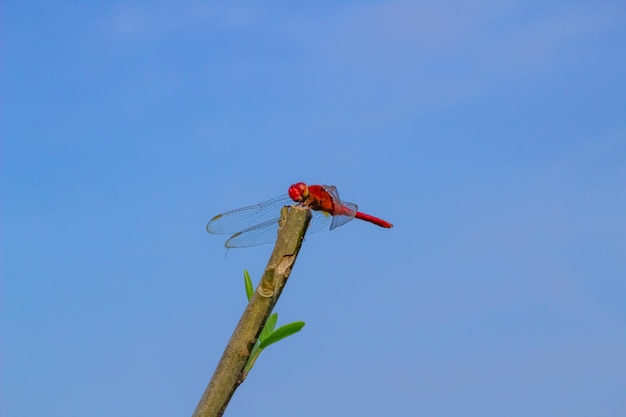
(299,192)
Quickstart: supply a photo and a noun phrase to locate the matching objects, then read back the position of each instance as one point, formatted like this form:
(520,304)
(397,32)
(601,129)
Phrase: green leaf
(270,324)
(254,354)
(281,333)
(248,283)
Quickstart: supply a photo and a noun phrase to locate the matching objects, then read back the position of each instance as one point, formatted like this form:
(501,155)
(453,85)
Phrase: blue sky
(492,134)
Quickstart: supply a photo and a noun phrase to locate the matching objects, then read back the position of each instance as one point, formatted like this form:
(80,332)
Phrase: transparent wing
(344,211)
(349,209)
(253,236)
(267,232)
(332,190)
(319,221)
(247,217)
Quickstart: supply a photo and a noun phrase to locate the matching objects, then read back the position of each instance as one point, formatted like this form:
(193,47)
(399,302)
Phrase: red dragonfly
(258,224)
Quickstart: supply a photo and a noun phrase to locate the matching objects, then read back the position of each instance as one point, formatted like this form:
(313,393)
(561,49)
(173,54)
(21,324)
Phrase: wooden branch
(229,373)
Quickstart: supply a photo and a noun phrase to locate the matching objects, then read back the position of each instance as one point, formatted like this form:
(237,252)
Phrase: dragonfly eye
(299,192)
